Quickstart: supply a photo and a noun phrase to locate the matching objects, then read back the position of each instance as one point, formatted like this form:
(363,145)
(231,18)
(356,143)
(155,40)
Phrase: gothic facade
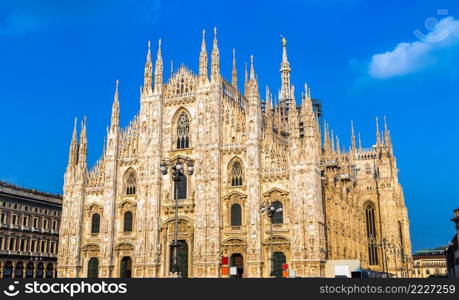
(183,185)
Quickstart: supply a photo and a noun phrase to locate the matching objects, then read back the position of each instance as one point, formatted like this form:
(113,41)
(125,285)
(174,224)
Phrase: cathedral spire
(215,74)
(83,148)
(378,134)
(353,147)
(203,59)
(327,147)
(286,91)
(234,71)
(360,143)
(338,147)
(246,76)
(269,103)
(333,149)
(115,108)
(73,152)
(387,138)
(306,104)
(147,76)
(159,69)
(252,68)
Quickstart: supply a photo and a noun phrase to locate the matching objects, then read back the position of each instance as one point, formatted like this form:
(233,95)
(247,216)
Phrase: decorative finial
(149,45)
(215,30)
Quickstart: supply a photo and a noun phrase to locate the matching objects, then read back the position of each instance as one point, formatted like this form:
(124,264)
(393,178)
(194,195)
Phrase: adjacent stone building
(430,263)
(193,178)
(29,222)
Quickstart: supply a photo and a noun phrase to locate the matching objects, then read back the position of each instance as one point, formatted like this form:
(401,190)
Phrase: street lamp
(270,210)
(177,173)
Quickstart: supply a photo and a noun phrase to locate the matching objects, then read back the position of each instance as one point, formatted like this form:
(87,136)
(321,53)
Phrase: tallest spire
(286,89)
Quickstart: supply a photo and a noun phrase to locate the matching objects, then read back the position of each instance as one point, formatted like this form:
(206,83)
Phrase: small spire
(360,143)
(115,107)
(326,138)
(234,71)
(352,136)
(74,134)
(73,151)
(148,72)
(215,37)
(252,68)
(203,59)
(246,76)
(333,141)
(338,147)
(203,43)
(83,146)
(387,138)
(215,58)
(149,52)
(378,135)
(159,69)
(269,103)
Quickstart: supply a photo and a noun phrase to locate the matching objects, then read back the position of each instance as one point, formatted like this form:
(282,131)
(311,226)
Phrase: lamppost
(178,169)
(270,210)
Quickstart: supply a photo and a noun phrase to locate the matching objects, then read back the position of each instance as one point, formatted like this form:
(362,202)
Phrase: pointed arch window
(371,234)
(131,182)
(128,221)
(95,223)
(183,131)
(236,174)
(236,215)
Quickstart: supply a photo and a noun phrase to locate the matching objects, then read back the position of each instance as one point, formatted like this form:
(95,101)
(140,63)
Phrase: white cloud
(410,57)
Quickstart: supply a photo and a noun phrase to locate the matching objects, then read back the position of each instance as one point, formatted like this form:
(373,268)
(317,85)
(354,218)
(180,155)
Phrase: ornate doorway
(182,258)
(237,260)
(278,260)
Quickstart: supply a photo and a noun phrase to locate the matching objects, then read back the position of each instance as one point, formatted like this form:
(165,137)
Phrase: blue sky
(362,58)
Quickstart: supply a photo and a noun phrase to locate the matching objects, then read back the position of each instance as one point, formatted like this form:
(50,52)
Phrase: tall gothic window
(128,221)
(278,217)
(183,130)
(236,174)
(131,183)
(371,234)
(180,186)
(95,223)
(236,215)
(93,267)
